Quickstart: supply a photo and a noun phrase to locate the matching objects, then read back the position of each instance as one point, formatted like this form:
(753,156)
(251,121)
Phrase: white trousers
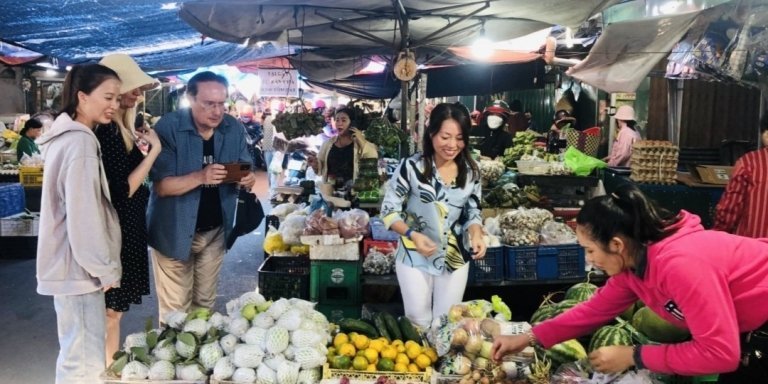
(81,323)
(426,297)
(186,285)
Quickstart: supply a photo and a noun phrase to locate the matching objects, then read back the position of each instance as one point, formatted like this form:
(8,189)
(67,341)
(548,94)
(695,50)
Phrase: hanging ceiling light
(482,48)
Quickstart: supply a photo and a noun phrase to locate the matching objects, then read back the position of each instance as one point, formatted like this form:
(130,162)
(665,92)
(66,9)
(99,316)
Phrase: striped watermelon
(581,291)
(610,335)
(567,352)
(657,329)
(566,305)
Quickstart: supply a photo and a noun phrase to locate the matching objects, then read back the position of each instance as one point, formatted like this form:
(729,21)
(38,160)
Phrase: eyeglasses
(212,105)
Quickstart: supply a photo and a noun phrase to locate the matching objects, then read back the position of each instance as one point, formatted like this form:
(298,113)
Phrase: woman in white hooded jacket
(80,257)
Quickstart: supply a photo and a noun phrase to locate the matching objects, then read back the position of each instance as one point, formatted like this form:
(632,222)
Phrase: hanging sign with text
(279,82)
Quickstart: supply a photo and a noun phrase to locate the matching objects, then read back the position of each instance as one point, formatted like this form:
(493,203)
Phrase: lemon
(347,350)
(401,367)
(396,343)
(353,336)
(389,353)
(431,353)
(423,361)
(413,351)
(409,343)
(339,339)
(402,358)
(371,368)
(371,355)
(362,342)
(377,344)
(412,367)
(383,340)
(360,363)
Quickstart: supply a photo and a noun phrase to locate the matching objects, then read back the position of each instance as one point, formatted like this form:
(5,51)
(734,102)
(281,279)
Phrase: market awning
(484,79)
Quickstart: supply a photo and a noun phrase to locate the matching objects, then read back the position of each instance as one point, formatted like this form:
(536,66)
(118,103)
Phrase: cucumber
(359,326)
(392,327)
(409,332)
(381,326)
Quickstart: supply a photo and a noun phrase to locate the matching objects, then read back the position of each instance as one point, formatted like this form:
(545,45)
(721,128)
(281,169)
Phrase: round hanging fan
(405,67)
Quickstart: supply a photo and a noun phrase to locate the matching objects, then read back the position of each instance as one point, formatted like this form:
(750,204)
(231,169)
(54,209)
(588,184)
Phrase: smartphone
(236,171)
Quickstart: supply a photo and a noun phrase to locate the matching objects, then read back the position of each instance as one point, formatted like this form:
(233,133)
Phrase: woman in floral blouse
(433,201)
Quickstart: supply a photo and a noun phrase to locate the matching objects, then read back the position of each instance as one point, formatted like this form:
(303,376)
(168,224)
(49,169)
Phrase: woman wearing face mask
(492,128)
(338,157)
(433,201)
(126,168)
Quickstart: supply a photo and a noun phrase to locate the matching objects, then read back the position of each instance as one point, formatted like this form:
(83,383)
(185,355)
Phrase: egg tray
(421,377)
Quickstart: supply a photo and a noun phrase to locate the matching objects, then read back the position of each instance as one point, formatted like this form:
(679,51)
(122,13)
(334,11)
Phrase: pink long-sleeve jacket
(712,283)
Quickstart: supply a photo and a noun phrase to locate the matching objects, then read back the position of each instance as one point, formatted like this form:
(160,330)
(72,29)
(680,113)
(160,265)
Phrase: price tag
(296,165)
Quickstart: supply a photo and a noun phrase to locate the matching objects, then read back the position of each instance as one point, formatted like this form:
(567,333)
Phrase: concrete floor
(28,340)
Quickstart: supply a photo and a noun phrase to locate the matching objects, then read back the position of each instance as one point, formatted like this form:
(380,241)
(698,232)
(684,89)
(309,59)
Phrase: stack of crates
(335,286)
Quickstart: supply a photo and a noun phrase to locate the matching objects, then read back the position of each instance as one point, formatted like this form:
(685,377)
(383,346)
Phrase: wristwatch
(408,233)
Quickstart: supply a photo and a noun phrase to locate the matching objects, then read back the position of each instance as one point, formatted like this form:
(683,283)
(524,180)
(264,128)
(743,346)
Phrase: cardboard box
(714,174)
(21,224)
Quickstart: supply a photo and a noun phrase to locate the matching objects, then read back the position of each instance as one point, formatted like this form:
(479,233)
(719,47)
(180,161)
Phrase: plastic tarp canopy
(483,79)
(151,31)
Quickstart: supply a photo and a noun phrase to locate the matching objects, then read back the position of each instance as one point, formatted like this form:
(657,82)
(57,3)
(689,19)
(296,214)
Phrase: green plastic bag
(580,163)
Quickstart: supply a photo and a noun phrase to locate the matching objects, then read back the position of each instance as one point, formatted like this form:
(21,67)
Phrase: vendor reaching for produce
(711,283)
(492,129)
(339,156)
(433,201)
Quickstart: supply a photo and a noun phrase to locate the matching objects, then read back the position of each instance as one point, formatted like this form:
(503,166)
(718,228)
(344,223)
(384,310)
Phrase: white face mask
(494,121)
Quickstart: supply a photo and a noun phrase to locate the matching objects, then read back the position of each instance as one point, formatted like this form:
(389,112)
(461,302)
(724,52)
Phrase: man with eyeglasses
(192,204)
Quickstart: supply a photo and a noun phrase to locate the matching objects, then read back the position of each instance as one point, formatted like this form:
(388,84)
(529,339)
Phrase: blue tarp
(151,31)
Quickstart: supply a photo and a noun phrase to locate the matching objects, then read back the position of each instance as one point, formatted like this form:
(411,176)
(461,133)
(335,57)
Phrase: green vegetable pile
(299,124)
(386,136)
(522,144)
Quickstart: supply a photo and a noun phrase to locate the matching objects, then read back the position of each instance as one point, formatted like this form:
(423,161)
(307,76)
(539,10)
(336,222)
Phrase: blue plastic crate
(489,269)
(544,262)
(379,231)
(12,199)
(520,263)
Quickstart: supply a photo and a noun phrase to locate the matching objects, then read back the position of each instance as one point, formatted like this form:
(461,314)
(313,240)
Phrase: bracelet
(408,233)
(531,338)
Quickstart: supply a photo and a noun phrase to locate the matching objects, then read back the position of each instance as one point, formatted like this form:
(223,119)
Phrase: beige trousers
(186,285)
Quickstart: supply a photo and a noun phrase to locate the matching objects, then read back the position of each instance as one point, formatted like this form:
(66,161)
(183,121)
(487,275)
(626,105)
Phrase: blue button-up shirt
(440,211)
(171,220)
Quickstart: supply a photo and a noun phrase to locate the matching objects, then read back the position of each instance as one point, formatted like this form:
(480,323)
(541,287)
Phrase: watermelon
(567,351)
(610,335)
(657,329)
(549,309)
(581,291)
(566,305)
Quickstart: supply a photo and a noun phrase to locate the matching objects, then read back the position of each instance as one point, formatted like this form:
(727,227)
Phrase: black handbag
(248,216)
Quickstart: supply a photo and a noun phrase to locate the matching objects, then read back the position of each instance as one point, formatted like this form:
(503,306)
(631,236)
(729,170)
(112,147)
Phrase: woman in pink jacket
(621,150)
(711,283)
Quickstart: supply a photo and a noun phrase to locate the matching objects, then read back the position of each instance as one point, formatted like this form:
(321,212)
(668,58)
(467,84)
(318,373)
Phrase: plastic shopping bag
(580,163)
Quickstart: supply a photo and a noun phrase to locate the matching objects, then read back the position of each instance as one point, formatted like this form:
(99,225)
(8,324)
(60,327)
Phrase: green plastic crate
(334,313)
(333,282)
(676,379)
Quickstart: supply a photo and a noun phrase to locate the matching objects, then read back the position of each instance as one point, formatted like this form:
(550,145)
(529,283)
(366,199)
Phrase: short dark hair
(203,77)
(33,123)
(83,78)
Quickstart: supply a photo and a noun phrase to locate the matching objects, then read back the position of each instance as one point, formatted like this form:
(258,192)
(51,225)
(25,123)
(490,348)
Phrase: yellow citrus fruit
(377,344)
(413,350)
(353,336)
(347,350)
(371,368)
(401,367)
(400,348)
(423,361)
(410,343)
(339,339)
(395,343)
(361,342)
(402,358)
(412,367)
(389,352)
(431,353)
(360,363)
(371,355)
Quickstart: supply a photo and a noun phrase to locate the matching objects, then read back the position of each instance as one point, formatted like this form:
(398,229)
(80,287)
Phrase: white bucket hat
(130,74)
(625,112)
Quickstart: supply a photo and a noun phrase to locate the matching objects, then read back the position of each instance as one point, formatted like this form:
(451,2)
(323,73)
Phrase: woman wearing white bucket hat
(126,168)
(621,150)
